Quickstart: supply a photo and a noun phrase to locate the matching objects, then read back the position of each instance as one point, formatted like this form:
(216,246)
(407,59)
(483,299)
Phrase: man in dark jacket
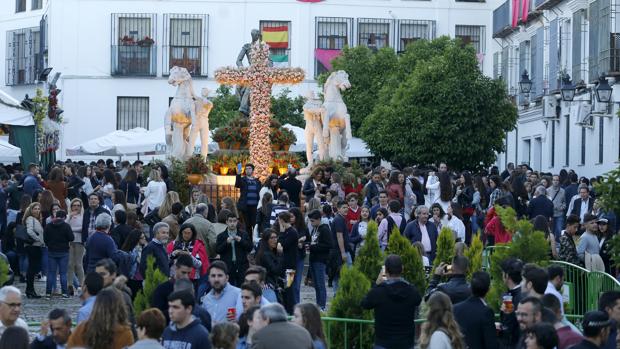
(394,302)
(233,247)
(292,185)
(511,275)
(121,230)
(60,325)
(57,236)
(320,245)
(540,205)
(421,229)
(457,287)
(583,205)
(90,215)
(156,248)
(249,188)
(185,330)
(31,180)
(100,245)
(275,331)
(475,318)
(183,268)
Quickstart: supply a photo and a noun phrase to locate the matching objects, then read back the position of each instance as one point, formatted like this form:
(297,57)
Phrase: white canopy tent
(154,142)
(106,145)
(8,152)
(11,112)
(300,145)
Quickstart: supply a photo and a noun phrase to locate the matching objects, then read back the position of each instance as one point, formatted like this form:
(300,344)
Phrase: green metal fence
(352,333)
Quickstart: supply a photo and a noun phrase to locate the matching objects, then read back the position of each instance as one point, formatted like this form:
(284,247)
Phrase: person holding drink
(509,326)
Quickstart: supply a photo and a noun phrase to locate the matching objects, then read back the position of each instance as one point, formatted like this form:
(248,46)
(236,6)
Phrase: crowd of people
(235,268)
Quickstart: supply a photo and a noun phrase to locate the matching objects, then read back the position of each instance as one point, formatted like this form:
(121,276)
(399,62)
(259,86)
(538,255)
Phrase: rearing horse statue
(180,114)
(336,120)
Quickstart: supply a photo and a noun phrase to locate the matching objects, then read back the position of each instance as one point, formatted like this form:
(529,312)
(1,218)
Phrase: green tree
(352,288)
(474,255)
(608,196)
(225,107)
(445,247)
(368,73)
(413,269)
(434,104)
(288,110)
(370,258)
(152,279)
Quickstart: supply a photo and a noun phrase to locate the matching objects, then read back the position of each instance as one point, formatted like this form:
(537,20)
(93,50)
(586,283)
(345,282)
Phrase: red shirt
(352,216)
(497,230)
(350,189)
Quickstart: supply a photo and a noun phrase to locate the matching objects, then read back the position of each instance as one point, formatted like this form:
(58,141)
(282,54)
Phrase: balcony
(502,25)
(609,59)
(134,60)
(545,4)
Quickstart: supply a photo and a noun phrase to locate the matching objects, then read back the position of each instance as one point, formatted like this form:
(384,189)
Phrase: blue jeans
(318,278)
(558,225)
(23,263)
(474,224)
(299,273)
(58,262)
(337,277)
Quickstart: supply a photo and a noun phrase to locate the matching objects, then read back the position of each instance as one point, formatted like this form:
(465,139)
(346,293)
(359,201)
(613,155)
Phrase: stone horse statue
(180,114)
(336,120)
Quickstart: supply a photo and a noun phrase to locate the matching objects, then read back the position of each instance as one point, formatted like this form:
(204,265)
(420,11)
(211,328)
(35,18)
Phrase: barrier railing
(346,329)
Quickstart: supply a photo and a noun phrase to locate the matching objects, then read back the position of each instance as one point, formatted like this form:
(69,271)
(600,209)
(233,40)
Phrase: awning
(106,145)
(11,112)
(8,152)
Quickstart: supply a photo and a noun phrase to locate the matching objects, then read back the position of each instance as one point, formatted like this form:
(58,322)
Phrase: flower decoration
(196,165)
(260,77)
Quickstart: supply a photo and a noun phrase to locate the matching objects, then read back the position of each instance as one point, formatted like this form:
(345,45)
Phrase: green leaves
(152,279)
(413,269)
(370,257)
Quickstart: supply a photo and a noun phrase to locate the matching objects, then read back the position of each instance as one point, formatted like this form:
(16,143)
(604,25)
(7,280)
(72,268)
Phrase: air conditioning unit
(550,103)
(584,115)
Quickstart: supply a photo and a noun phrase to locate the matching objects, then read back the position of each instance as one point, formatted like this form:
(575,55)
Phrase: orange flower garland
(260,77)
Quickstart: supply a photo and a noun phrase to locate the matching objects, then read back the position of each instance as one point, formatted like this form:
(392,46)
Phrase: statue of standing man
(244,92)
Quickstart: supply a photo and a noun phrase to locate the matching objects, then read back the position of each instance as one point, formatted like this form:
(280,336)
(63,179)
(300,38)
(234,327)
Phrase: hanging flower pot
(194,178)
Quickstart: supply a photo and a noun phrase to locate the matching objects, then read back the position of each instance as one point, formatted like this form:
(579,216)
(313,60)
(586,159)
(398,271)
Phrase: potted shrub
(222,162)
(146,42)
(196,167)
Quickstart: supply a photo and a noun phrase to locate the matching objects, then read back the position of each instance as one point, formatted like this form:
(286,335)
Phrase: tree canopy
(431,103)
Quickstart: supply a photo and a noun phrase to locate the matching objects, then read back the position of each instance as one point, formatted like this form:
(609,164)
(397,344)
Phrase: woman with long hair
(46,199)
(107,326)
(394,188)
(479,202)
(267,256)
(519,193)
(57,185)
(438,216)
(129,186)
(119,201)
(337,185)
(32,221)
(269,187)
(359,230)
(308,316)
(76,247)
(165,176)
(228,203)
(90,185)
(225,335)
(186,242)
(445,190)
(133,245)
(541,223)
(155,191)
(263,215)
(109,185)
(440,331)
(464,197)
(166,206)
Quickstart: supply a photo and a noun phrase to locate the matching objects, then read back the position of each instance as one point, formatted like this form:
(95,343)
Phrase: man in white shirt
(556,281)
(11,308)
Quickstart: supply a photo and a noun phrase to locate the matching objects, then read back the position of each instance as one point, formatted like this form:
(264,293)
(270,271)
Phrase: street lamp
(603,90)
(525,85)
(568,89)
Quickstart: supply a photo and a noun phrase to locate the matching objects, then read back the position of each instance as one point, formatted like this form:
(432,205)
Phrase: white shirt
(426,240)
(440,340)
(457,227)
(19,322)
(155,193)
(551,290)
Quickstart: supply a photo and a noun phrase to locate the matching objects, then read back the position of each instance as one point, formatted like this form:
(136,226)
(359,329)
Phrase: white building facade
(561,39)
(114,55)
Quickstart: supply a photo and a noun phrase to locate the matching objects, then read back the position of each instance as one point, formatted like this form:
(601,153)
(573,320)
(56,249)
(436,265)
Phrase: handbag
(21,234)
(130,206)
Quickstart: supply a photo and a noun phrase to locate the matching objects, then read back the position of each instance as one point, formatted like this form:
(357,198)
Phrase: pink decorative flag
(515,13)
(526,10)
(326,56)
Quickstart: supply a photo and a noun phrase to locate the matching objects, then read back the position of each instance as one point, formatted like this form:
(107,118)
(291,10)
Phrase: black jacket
(46,343)
(477,323)
(120,233)
(511,332)
(99,210)
(540,205)
(242,248)
(577,206)
(457,288)
(57,236)
(394,304)
(288,239)
(292,186)
(161,258)
(131,190)
(74,183)
(319,249)
(273,265)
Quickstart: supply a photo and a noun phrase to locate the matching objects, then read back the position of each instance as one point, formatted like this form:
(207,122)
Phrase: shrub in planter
(413,269)
(445,247)
(370,258)
(152,279)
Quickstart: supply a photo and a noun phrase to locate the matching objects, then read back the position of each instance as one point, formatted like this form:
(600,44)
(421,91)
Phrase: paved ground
(36,310)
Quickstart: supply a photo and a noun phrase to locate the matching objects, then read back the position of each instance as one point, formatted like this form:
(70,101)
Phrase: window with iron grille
(332,35)
(20,5)
(134,50)
(185,42)
(411,30)
(277,34)
(375,33)
(37,4)
(22,54)
(132,112)
(472,34)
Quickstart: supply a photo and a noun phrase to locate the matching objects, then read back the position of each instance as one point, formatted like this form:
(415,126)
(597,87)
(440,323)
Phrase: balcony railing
(546,4)
(609,62)
(134,60)
(193,58)
(502,25)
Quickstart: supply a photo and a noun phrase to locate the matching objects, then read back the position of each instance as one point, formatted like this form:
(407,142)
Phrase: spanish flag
(276,37)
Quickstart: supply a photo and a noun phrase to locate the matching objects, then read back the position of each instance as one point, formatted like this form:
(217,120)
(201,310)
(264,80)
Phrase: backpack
(391,224)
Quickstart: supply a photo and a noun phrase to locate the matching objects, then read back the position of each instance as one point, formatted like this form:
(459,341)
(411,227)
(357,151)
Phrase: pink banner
(515,13)
(526,10)
(326,56)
